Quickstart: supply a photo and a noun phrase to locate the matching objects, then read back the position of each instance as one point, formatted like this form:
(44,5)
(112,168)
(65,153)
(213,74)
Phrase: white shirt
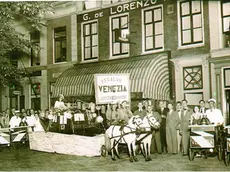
(15,121)
(30,120)
(215,116)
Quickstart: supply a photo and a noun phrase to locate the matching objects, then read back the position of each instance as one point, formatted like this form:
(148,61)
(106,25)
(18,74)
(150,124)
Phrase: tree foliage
(13,43)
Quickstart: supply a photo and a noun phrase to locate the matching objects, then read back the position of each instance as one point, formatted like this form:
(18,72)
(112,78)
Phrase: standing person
(59,104)
(172,122)
(111,114)
(124,112)
(145,104)
(156,139)
(213,114)
(6,118)
(15,120)
(163,113)
(179,134)
(140,111)
(202,106)
(184,124)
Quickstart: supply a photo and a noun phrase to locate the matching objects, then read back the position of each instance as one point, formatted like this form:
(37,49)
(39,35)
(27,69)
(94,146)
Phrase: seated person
(196,116)
(15,120)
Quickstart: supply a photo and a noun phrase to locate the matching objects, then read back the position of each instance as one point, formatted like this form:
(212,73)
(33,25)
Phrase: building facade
(172,50)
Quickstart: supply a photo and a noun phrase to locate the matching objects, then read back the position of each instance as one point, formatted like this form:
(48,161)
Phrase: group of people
(173,135)
(15,118)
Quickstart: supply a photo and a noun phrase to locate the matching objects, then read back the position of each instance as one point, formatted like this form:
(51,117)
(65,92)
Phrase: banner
(111,88)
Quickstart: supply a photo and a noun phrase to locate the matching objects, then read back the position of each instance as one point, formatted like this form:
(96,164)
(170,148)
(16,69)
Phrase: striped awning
(149,76)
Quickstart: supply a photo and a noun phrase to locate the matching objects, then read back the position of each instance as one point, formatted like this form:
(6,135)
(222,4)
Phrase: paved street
(27,160)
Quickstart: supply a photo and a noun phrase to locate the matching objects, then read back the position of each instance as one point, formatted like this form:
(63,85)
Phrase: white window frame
(82,42)
(143,30)
(111,37)
(180,46)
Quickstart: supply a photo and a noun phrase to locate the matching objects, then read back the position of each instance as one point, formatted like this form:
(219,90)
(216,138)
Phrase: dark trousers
(163,138)
(156,142)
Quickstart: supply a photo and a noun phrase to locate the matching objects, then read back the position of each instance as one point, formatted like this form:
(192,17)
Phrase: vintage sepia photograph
(115,85)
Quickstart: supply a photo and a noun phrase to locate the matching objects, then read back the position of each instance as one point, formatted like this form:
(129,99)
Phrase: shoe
(185,154)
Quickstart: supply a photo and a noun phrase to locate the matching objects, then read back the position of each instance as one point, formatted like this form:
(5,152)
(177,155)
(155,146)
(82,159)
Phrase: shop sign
(111,88)
(16,92)
(122,8)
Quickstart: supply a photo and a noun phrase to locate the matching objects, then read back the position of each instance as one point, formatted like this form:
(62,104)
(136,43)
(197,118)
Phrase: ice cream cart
(204,139)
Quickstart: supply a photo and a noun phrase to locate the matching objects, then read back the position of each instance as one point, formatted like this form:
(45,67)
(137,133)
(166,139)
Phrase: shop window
(119,24)
(153,29)
(90,40)
(60,44)
(35,53)
(193,77)
(191,27)
(35,89)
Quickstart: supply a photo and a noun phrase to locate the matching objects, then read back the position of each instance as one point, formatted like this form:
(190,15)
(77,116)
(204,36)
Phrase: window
(153,29)
(193,77)
(121,24)
(90,41)
(35,53)
(60,44)
(191,22)
(226,15)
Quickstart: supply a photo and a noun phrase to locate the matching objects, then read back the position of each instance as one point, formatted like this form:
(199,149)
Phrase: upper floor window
(35,53)
(90,41)
(119,24)
(60,44)
(226,15)
(191,22)
(153,29)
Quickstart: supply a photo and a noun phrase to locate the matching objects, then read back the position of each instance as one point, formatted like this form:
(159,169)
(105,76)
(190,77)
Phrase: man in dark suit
(140,111)
(162,110)
(185,118)
(202,106)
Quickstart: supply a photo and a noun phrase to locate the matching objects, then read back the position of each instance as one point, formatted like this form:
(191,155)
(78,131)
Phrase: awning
(149,76)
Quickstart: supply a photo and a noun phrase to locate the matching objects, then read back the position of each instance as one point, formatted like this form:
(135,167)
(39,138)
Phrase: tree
(13,44)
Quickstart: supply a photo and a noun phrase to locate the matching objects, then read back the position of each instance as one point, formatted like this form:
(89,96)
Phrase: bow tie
(178,110)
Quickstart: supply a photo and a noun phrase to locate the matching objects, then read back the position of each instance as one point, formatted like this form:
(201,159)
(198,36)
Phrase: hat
(212,100)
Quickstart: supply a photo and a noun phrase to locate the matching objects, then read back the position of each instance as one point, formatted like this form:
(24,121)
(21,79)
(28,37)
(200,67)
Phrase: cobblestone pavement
(24,159)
